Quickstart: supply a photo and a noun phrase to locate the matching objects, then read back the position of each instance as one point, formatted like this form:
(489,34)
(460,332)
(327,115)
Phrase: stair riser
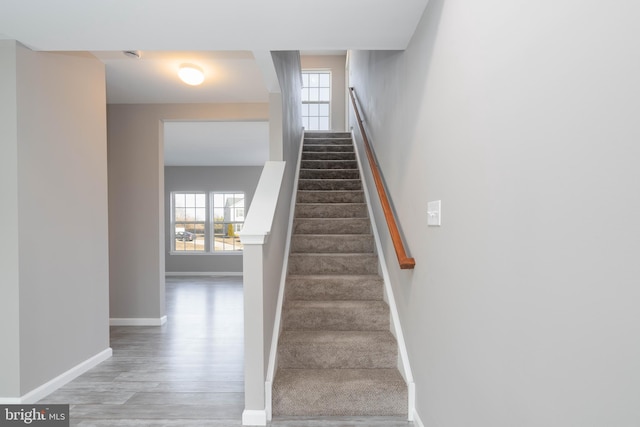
(329,174)
(332,226)
(331,210)
(328,164)
(322,148)
(310,155)
(332,244)
(336,318)
(330,184)
(339,288)
(330,196)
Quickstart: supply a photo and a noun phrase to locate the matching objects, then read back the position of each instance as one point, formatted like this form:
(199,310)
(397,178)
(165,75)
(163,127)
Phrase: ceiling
(230,40)
(230,76)
(207,25)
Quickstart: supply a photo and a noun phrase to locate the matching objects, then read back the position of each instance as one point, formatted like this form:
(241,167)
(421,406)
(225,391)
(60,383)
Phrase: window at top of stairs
(316,100)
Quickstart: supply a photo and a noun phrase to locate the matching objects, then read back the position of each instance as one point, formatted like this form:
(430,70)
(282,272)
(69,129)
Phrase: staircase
(336,354)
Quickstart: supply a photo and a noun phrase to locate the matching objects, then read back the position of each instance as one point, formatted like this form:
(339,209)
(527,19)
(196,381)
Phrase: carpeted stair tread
(328,263)
(329,174)
(331,243)
(329,287)
(331,226)
(326,134)
(329,164)
(330,196)
(333,155)
(330,184)
(331,210)
(328,141)
(336,315)
(337,350)
(327,148)
(333,392)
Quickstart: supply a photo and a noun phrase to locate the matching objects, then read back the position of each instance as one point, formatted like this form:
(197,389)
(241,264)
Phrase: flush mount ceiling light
(191,74)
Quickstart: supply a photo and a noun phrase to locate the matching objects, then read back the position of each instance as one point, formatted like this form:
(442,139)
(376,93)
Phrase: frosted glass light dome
(191,74)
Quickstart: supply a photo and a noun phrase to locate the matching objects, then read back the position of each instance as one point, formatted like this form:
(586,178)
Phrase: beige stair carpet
(336,354)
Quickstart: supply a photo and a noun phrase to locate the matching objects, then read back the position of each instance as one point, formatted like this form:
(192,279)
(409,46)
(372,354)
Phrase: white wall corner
(62,379)
(254,417)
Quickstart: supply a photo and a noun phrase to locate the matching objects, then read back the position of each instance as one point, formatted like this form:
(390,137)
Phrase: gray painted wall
(10,283)
(61,250)
(523,120)
(335,64)
(287,64)
(206,178)
(136,198)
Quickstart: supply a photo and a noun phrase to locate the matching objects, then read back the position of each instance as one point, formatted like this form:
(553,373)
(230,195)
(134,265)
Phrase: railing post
(254,369)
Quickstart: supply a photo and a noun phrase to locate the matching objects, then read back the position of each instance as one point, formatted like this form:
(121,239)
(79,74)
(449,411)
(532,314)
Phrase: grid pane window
(316,100)
(207,222)
(189,221)
(228,218)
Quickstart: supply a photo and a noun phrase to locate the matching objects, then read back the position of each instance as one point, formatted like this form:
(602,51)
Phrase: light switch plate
(434,213)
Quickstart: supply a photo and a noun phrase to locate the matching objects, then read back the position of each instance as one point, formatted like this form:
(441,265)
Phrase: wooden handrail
(403,259)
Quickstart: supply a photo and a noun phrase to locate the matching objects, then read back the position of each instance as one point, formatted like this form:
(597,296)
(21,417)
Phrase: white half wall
(523,119)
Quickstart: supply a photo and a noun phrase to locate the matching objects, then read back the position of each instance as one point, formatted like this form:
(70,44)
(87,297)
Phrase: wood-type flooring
(186,373)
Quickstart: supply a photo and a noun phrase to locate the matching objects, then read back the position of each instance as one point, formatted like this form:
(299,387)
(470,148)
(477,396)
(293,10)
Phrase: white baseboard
(254,418)
(417,422)
(138,321)
(202,273)
(49,387)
